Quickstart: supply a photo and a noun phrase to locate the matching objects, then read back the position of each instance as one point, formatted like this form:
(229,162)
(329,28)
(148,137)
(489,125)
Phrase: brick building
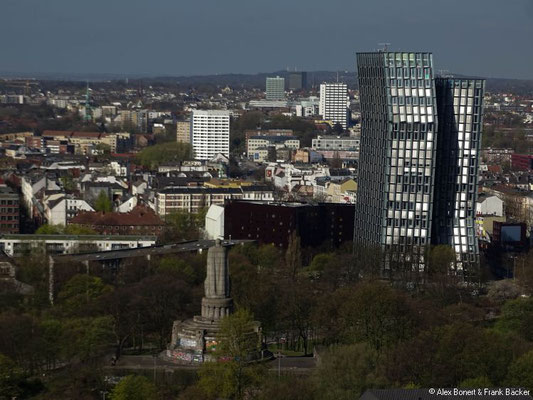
(275,222)
(139,221)
(9,210)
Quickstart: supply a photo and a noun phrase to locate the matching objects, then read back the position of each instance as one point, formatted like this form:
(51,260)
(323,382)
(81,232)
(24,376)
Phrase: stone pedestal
(195,339)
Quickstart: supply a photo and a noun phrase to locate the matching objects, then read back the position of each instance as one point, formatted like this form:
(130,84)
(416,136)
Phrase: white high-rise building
(210,133)
(334,103)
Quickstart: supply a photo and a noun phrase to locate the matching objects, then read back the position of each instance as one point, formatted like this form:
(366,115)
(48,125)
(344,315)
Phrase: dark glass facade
(460,105)
(405,158)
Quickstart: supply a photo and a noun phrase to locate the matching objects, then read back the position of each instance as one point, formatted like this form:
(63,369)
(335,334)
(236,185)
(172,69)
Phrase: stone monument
(193,340)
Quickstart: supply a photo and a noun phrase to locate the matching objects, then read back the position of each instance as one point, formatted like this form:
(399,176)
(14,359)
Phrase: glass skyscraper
(460,111)
(403,202)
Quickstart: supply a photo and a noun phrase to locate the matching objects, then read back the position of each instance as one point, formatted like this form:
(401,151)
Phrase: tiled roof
(138,216)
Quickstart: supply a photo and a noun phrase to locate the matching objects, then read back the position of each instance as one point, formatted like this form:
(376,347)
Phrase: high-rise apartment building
(418,160)
(334,103)
(297,80)
(275,88)
(210,133)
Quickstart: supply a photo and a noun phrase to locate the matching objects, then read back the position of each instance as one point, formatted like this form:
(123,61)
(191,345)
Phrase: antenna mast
(385,47)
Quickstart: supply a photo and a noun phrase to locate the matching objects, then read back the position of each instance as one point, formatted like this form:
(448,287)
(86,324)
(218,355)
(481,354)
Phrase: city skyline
(61,37)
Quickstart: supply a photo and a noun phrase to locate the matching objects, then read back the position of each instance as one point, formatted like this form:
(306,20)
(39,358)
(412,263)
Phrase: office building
(418,161)
(459,110)
(210,133)
(334,103)
(275,88)
(274,223)
(297,80)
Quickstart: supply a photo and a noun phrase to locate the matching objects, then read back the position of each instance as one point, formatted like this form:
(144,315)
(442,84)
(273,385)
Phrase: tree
(153,156)
(10,377)
(521,372)
(160,301)
(375,313)
(441,259)
(76,229)
(119,305)
(293,256)
(68,183)
(103,203)
(345,372)
(80,293)
(71,229)
(182,225)
(134,387)
(517,316)
(232,375)
(475,383)
(47,229)
(86,339)
(502,290)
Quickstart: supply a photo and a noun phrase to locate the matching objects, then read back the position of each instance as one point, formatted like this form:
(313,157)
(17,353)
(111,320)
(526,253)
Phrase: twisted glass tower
(406,161)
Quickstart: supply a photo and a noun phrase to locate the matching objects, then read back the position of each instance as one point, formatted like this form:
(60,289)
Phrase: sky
(489,38)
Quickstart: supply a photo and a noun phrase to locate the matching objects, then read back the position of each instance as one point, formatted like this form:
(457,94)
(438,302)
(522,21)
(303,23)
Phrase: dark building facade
(274,223)
(297,80)
(9,210)
(418,160)
(459,109)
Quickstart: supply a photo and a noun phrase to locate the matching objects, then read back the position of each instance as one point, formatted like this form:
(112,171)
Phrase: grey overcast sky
(491,38)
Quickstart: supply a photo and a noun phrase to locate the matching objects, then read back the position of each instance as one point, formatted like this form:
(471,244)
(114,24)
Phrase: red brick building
(523,162)
(139,221)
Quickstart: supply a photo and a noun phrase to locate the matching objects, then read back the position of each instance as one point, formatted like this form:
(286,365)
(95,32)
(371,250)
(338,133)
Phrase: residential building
(60,209)
(9,210)
(134,119)
(335,143)
(85,143)
(183,131)
(265,142)
(210,133)
(489,205)
(523,162)
(334,103)
(266,132)
(195,199)
(418,163)
(275,88)
(139,221)
(192,199)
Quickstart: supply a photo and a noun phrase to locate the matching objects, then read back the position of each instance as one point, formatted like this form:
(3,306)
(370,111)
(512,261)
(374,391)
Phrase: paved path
(295,364)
